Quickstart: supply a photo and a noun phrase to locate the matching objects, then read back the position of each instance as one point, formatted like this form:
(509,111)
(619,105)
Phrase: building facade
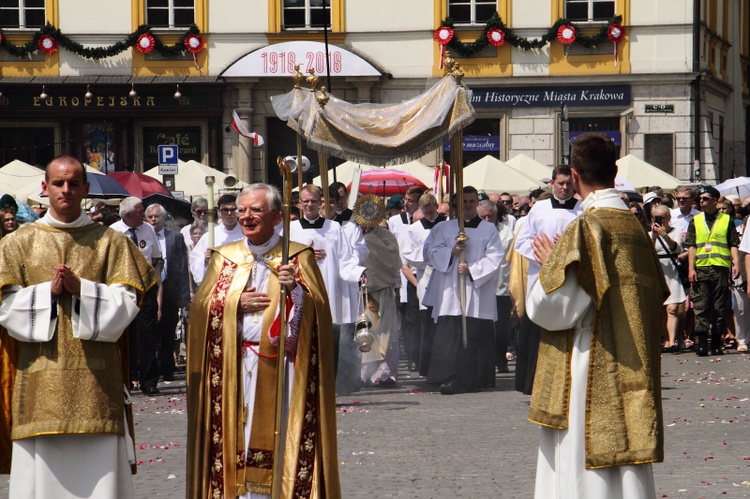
(672,89)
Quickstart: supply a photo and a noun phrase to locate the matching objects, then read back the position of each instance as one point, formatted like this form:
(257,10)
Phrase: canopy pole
(323,165)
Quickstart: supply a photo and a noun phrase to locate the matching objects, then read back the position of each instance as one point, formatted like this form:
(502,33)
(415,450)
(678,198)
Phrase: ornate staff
(278,452)
(457,169)
(457,162)
(211,210)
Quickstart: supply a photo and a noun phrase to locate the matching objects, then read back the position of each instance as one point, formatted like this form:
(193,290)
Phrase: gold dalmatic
(618,268)
(67,385)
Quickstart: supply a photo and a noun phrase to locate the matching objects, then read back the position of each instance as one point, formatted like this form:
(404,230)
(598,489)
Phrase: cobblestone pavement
(409,443)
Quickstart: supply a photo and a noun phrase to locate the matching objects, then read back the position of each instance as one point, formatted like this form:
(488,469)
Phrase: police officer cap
(707,189)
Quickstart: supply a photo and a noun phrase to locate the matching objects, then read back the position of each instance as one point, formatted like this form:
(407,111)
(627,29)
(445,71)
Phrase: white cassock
(222,235)
(506,238)
(398,228)
(483,254)
(339,266)
(561,472)
(543,218)
(71,466)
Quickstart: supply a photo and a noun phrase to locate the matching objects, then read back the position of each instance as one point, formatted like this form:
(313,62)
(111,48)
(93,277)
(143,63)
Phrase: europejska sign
(589,95)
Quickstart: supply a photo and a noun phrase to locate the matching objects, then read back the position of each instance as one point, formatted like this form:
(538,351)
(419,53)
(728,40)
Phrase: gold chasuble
(67,385)
(218,466)
(618,268)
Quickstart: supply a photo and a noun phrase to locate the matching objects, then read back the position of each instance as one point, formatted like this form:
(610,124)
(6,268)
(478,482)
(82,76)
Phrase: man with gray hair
(143,366)
(199,208)
(488,210)
(175,290)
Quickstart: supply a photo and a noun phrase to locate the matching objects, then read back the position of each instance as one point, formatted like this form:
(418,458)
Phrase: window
(169,13)
(589,10)
(301,14)
(22,13)
(471,11)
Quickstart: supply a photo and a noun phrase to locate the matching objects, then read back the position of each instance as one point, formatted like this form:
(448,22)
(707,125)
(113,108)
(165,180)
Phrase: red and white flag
(240,128)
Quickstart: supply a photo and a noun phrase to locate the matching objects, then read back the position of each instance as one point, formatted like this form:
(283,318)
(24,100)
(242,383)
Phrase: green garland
(468,49)
(98,52)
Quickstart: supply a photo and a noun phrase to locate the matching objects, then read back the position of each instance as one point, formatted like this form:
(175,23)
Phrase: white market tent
(530,167)
(191,179)
(492,175)
(641,174)
(345,172)
(20,180)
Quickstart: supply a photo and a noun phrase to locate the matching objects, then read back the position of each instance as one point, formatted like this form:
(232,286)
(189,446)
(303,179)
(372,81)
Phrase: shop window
(169,13)
(589,10)
(188,140)
(659,151)
(481,138)
(22,13)
(471,11)
(306,14)
(32,145)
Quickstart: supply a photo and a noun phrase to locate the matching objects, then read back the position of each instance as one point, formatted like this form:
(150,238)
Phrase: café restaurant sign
(588,95)
(279,59)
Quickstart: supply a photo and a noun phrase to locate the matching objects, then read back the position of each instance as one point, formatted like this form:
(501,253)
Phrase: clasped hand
(64,280)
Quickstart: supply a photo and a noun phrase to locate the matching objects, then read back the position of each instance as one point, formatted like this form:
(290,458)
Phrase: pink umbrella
(387,182)
(139,185)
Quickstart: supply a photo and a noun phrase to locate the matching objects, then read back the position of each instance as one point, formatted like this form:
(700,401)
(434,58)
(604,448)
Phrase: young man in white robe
(455,368)
(336,258)
(550,217)
(597,392)
(408,310)
(227,231)
(413,255)
(70,287)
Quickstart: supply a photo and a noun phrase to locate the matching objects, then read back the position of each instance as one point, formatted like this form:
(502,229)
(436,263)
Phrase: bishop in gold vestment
(231,377)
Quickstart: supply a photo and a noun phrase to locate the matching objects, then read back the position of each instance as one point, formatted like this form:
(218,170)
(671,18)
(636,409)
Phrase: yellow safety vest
(711,249)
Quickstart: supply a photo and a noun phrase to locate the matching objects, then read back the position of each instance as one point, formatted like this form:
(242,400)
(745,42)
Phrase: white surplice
(339,267)
(543,218)
(413,243)
(222,235)
(561,472)
(70,466)
(398,228)
(483,253)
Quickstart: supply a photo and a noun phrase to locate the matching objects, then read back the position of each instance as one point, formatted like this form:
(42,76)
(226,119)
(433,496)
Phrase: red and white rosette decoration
(616,33)
(496,37)
(194,43)
(145,43)
(47,44)
(443,35)
(566,34)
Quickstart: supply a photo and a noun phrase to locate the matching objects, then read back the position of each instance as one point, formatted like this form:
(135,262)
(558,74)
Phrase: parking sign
(167,159)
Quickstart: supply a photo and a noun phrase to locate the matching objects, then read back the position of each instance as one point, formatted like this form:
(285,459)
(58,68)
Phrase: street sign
(659,108)
(167,170)
(167,155)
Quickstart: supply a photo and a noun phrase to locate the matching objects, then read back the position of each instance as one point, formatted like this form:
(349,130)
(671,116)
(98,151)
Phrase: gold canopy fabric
(378,134)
